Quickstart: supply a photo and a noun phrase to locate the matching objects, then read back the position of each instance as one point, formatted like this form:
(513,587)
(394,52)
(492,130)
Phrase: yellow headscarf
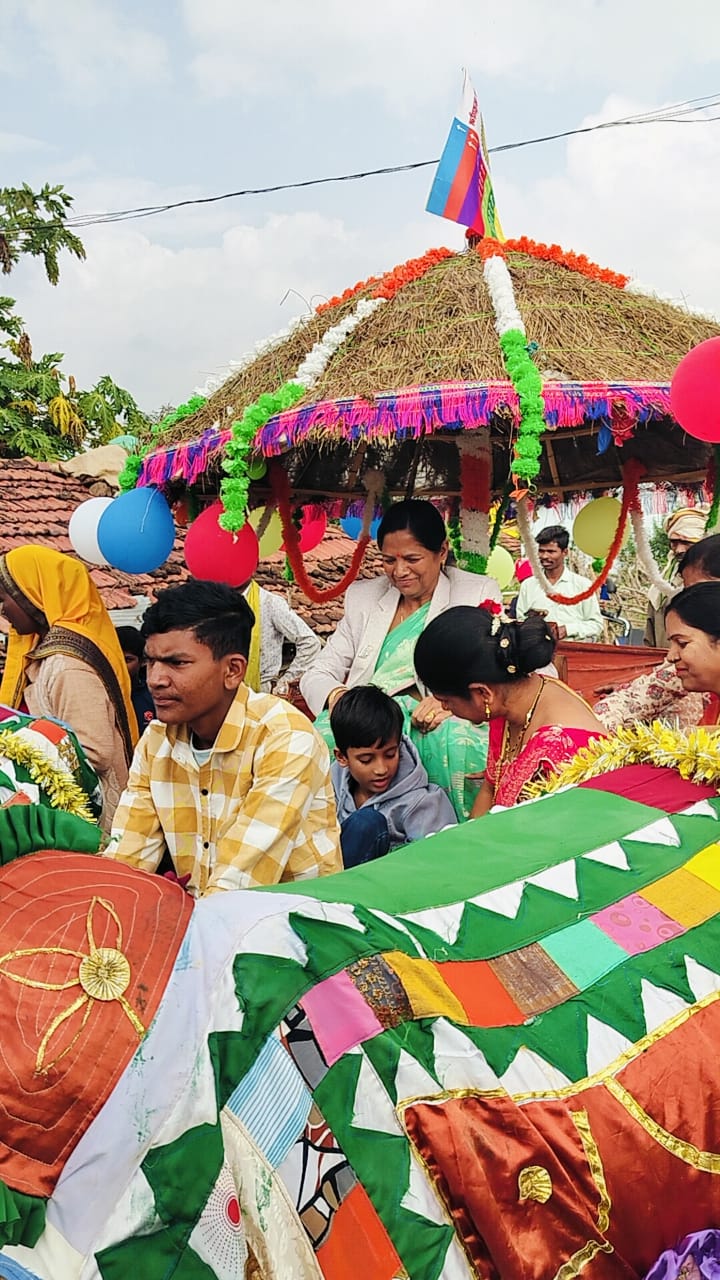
(252,675)
(58,590)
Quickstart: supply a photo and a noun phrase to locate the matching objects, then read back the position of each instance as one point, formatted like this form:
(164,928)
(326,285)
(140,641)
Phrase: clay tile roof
(37,500)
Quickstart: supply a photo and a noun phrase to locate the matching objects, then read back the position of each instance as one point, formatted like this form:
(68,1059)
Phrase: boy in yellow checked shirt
(235,785)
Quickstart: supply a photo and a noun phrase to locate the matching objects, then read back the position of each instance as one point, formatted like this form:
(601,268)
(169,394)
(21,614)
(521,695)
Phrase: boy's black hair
(553,533)
(131,640)
(219,615)
(703,555)
(363,716)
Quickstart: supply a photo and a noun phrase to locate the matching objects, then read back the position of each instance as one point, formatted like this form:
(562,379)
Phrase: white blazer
(350,655)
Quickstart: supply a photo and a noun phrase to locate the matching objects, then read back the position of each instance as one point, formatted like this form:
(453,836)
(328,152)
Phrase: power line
(685,112)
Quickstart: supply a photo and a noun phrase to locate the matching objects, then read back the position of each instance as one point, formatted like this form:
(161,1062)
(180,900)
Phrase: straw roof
(439,330)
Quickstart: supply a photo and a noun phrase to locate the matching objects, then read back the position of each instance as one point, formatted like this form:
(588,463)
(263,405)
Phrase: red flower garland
(632,472)
(280,487)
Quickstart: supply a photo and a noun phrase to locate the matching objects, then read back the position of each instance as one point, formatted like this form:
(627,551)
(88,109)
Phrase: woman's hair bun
(532,645)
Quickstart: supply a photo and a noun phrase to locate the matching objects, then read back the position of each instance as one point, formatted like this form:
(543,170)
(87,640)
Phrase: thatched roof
(604,350)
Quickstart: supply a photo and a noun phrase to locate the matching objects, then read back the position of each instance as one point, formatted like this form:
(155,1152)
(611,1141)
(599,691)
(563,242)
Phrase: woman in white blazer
(375,640)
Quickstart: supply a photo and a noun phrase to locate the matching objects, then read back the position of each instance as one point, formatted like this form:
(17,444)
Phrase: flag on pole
(462,190)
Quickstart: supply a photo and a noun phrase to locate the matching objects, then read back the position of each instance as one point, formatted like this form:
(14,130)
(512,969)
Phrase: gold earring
(487,709)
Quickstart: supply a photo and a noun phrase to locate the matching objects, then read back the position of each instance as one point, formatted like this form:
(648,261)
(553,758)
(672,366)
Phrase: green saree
(450,752)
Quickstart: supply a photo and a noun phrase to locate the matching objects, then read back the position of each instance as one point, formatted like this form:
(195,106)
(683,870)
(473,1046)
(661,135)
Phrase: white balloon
(83,527)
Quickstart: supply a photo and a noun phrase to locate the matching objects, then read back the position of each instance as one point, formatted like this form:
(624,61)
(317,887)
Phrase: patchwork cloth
(479,1059)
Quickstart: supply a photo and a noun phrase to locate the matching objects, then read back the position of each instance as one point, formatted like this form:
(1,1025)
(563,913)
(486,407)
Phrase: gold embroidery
(579,1260)
(535,1183)
(103,974)
(705,1161)
(592,1155)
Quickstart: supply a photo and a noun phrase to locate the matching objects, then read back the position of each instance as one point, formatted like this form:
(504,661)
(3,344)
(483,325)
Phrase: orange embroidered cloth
(87,948)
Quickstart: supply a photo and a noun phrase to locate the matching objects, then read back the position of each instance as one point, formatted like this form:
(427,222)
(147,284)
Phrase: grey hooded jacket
(412,806)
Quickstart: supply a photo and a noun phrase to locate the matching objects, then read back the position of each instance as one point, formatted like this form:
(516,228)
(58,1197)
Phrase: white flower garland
(646,557)
(318,358)
(530,546)
(502,295)
(261,348)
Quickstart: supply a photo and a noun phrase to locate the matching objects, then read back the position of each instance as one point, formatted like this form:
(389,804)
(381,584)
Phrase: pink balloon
(217,556)
(523,570)
(695,392)
(311,531)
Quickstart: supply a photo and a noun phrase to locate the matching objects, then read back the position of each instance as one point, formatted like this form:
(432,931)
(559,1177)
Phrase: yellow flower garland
(62,791)
(695,755)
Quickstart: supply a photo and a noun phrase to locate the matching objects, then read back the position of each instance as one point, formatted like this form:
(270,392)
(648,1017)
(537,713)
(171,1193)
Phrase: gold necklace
(506,755)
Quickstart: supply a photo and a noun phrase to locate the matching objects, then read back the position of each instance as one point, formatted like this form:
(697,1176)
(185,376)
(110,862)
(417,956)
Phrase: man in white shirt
(573,621)
(280,624)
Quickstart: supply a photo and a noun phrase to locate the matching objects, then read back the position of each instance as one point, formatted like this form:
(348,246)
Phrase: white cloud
(19,144)
(408,51)
(161,320)
(90,45)
(644,201)
(161,305)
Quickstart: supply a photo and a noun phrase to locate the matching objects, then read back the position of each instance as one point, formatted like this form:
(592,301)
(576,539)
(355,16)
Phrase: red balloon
(311,531)
(695,392)
(217,556)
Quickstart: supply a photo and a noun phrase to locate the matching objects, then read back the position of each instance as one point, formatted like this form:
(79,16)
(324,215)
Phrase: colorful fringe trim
(417,411)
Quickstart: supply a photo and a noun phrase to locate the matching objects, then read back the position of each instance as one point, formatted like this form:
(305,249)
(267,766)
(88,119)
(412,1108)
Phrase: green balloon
(257,468)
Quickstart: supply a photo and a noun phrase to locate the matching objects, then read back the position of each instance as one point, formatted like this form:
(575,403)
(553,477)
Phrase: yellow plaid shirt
(260,811)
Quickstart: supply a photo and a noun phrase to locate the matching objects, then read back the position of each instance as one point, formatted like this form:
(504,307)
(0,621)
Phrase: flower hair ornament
(498,617)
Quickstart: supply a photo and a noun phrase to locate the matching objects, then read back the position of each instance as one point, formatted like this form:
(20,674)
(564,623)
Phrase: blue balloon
(351,525)
(136,533)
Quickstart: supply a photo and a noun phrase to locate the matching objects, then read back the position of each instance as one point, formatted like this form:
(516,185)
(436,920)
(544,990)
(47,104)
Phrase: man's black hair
(219,615)
(703,556)
(363,716)
(553,533)
(131,640)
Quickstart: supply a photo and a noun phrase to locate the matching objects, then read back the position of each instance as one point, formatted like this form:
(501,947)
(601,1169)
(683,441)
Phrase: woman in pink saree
(483,669)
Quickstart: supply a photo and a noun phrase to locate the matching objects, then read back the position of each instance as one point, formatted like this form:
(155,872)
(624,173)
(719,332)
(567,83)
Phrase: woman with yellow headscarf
(64,660)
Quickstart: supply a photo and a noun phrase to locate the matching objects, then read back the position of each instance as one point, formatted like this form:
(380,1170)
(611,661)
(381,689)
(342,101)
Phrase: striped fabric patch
(272,1101)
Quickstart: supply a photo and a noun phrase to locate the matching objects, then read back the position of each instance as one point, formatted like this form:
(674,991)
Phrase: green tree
(42,413)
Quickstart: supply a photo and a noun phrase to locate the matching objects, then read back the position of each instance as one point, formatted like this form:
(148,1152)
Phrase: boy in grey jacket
(382,792)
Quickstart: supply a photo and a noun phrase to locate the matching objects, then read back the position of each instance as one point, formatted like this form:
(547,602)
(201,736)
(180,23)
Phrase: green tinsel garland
(525,377)
(235,486)
(130,473)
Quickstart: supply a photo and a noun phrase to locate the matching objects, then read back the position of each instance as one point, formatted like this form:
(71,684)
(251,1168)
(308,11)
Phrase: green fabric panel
(560,1034)
(584,952)
(160,1256)
(381,1162)
(183,1173)
(27,828)
(232,1055)
(22,1217)
(482,855)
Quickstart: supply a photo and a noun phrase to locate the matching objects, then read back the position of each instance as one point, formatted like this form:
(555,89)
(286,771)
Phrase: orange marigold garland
(389,284)
(553,253)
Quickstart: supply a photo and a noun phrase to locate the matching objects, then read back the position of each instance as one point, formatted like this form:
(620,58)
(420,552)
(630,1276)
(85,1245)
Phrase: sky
(128,104)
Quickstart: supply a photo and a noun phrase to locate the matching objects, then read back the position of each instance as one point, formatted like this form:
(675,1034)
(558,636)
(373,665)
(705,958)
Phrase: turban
(687,523)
